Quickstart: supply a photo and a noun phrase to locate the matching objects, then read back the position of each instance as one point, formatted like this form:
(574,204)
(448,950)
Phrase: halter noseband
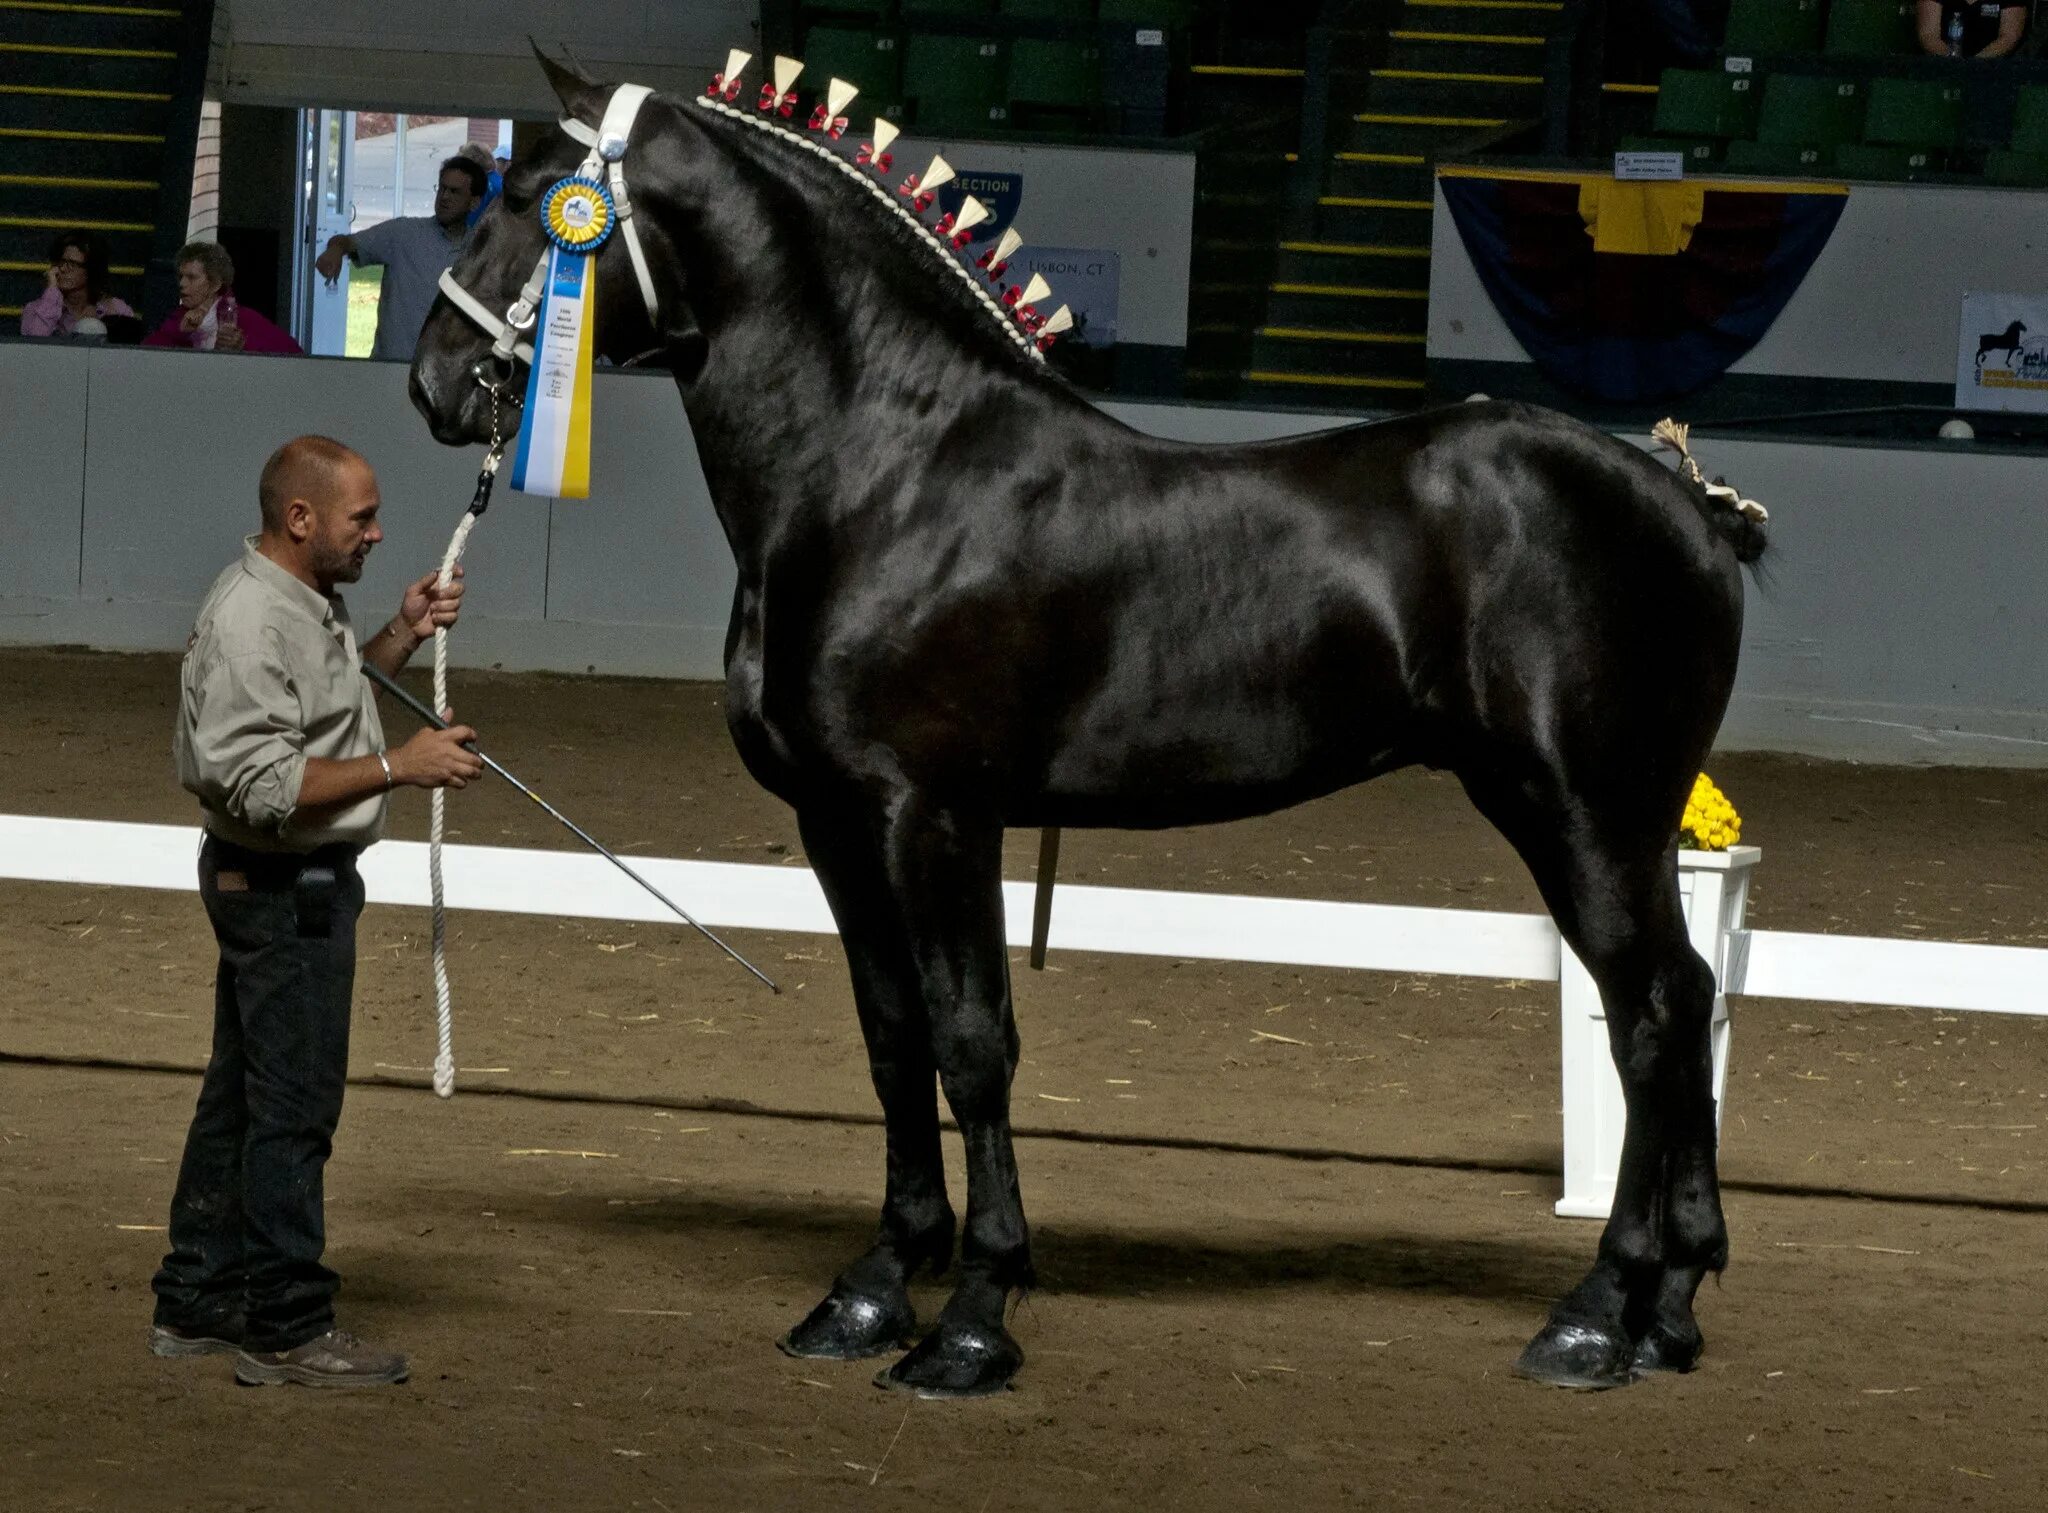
(607,144)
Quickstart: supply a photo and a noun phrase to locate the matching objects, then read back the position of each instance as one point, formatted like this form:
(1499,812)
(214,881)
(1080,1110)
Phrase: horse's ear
(571,86)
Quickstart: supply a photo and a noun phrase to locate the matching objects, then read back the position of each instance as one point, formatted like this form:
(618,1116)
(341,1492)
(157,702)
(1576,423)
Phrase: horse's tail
(1742,523)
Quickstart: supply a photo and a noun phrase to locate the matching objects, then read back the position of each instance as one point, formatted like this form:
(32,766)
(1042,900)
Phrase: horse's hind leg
(1613,890)
(868,1311)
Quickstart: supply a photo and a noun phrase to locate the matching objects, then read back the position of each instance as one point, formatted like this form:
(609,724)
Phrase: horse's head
(454,363)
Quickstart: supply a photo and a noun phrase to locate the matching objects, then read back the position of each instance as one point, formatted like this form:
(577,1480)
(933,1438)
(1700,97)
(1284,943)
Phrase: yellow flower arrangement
(1710,823)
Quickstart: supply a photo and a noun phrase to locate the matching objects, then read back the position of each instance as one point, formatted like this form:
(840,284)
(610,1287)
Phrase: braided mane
(977,284)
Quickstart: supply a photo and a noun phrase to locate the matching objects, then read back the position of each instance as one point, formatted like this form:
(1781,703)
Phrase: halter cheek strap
(607,157)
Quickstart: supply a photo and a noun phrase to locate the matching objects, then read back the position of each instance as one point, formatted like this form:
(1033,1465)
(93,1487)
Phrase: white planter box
(1714,886)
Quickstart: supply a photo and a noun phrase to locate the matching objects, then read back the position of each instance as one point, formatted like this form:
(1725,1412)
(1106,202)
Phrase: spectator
(415,251)
(77,288)
(1972,28)
(208,317)
(494,176)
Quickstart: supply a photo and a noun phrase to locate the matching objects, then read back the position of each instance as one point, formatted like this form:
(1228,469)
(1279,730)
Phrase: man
(1972,28)
(415,251)
(279,739)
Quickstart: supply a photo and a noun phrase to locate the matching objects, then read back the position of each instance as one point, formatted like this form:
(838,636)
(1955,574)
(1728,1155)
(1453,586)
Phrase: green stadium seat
(2027,170)
(1699,151)
(957,84)
(1773,26)
(1780,158)
(872,61)
(1862,160)
(1048,10)
(1806,112)
(1872,28)
(949,9)
(1167,14)
(1694,102)
(1059,74)
(1913,112)
(2030,120)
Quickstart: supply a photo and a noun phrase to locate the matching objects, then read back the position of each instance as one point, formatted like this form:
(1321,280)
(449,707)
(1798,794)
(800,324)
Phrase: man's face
(345,526)
(453,200)
(194,287)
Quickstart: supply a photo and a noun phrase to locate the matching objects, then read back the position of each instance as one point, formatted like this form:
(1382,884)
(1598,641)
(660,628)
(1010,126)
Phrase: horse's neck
(826,375)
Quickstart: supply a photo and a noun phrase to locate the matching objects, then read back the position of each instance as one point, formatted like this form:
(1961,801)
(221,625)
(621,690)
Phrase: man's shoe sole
(254,1373)
(178,1347)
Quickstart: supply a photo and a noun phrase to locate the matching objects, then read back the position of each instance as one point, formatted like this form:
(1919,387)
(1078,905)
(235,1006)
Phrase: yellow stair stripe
(1312,333)
(1334,380)
(1350,291)
(46,223)
(10,266)
(1377,118)
(1501,39)
(14,310)
(1491,5)
(86,52)
(79,136)
(1365,202)
(1354,249)
(83,94)
(1455,78)
(1404,159)
(1630,89)
(65,181)
(89,10)
(1246,71)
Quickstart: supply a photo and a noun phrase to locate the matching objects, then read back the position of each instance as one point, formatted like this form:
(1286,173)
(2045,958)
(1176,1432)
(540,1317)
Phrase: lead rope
(444,1013)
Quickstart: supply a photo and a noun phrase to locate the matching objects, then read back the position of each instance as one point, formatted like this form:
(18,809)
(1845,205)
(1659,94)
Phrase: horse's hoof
(1663,1348)
(851,1326)
(1578,1356)
(953,1361)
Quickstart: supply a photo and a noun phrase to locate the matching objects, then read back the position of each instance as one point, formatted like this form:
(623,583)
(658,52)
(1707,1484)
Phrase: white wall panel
(42,468)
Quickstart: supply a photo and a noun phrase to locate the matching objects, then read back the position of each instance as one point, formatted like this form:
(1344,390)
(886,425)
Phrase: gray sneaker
(336,1359)
(174,1343)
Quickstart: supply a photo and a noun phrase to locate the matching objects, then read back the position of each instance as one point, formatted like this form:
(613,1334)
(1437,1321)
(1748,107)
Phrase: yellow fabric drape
(1649,219)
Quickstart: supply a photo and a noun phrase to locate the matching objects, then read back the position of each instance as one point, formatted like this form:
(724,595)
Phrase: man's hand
(328,263)
(435,758)
(427,605)
(228,339)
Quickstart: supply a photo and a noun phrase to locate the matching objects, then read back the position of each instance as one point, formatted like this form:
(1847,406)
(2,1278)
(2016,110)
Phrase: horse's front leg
(946,871)
(868,1311)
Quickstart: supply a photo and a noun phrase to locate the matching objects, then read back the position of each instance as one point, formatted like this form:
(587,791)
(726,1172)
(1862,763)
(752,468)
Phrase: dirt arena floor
(1292,1227)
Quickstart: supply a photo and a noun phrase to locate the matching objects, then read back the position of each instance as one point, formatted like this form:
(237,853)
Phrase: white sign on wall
(2002,353)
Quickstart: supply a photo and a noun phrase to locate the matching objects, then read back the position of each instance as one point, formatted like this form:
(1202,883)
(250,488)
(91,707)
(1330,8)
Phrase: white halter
(607,146)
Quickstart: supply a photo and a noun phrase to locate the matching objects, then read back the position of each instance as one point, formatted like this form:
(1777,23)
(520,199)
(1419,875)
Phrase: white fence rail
(1151,922)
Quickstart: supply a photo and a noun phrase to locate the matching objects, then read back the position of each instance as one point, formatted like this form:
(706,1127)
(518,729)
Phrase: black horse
(969,600)
(2008,342)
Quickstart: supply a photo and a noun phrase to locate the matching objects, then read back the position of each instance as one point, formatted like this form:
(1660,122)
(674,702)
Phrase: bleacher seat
(1166,14)
(2030,121)
(1773,26)
(1810,112)
(1048,10)
(1870,160)
(1696,103)
(1913,113)
(870,60)
(952,10)
(1056,74)
(2027,170)
(1779,157)
(1699,151)
(1872,28)
(956,84)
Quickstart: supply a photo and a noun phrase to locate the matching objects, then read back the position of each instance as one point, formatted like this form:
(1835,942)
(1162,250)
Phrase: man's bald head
(312,468)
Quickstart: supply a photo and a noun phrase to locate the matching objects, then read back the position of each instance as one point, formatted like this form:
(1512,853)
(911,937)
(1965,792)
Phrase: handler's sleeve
(248,754)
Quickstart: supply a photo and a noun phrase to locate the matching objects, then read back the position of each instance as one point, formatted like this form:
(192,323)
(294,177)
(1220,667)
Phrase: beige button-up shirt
(271,677)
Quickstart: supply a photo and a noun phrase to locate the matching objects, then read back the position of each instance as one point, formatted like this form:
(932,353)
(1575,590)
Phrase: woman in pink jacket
(77,288)
(207,316)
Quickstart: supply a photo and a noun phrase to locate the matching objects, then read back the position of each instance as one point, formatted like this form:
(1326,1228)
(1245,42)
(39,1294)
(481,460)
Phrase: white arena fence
(1151,922)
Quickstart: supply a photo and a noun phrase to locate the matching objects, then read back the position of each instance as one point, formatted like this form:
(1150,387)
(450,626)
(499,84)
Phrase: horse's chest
(761,738)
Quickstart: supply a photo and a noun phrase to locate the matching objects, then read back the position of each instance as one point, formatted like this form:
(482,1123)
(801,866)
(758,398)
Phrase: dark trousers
(247,1221)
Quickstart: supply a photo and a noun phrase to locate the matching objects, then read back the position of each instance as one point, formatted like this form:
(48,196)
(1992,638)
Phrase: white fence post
(1714,888)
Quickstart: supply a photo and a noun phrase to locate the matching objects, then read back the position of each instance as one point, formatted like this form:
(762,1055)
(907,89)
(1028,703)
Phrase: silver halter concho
(607,164)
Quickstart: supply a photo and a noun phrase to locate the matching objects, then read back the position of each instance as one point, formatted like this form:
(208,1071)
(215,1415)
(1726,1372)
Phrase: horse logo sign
(2002,353)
